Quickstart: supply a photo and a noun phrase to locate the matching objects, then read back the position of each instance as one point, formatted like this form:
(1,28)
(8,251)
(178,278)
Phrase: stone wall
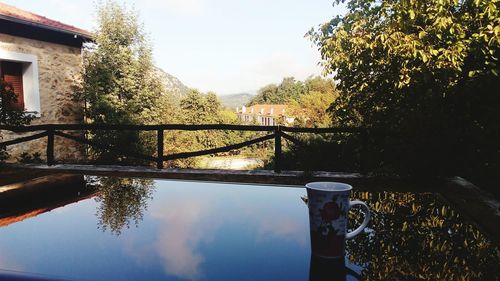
(58,69)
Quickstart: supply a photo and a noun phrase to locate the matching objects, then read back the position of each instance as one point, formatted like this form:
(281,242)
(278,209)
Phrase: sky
(226,46)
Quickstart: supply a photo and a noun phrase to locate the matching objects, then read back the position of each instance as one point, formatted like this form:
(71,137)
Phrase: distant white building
(264,114)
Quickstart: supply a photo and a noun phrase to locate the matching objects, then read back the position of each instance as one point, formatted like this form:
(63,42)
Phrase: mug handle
(358,230)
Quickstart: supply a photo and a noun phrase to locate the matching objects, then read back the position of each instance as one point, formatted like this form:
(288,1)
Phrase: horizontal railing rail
(277,132)
(182,127)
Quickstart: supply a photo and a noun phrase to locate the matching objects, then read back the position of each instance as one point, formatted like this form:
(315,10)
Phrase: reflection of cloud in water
(8,262)
(185,221)
(141,253)
(282,227)
(182,228)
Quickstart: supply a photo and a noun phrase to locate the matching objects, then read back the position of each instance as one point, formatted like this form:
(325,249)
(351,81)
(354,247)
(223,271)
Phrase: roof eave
(88,37)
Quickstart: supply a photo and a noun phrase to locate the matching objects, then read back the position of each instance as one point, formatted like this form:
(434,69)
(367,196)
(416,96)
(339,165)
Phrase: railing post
(159,162)
(50,147)
(277,149)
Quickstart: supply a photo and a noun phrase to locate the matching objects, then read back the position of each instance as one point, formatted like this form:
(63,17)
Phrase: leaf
(412,14)
(424,57)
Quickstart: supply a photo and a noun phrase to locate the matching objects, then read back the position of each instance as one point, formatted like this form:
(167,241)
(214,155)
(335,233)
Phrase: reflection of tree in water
(419,237)
(122,201)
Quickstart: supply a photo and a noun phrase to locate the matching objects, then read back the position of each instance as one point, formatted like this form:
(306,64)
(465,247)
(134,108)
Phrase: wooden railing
(276,132)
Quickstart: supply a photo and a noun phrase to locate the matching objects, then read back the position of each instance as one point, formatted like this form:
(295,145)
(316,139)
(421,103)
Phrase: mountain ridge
(232,101)
(172,84)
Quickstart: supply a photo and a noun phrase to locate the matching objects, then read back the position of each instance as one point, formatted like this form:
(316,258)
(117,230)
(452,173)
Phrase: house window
(21,70)
(12,73)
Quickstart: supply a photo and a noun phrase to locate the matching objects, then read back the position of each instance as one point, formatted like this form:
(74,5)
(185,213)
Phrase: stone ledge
(240,176)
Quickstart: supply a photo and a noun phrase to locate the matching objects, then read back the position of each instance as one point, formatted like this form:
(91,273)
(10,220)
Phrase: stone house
(42,58)
(265,114)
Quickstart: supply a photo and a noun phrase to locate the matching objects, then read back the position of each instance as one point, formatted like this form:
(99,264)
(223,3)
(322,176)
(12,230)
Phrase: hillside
(172,84)
(235,100)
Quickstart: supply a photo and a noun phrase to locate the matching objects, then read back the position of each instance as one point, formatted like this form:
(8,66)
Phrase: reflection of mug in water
(321,269)
(326,269)
(329,204)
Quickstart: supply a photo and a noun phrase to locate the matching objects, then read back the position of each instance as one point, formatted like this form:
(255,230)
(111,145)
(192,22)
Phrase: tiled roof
(33,213)
(11,12)
(264,109)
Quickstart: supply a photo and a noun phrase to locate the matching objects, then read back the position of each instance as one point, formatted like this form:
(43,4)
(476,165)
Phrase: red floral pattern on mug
(330,211)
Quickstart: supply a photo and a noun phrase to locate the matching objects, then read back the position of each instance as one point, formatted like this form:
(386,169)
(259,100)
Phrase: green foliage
(327,152)
(119,83)
(27,158)
(289,89)
(307,100)
(310,109)
(199,108)
(423,75)
(8,116)
(122,201)
(404,223)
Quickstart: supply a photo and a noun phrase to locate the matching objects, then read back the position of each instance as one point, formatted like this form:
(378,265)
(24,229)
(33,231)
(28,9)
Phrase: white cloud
(180,235)
(250,76)
(282,227)
(188,222)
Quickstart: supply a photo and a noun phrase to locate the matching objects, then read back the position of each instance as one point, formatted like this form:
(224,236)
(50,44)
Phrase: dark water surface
(138,229)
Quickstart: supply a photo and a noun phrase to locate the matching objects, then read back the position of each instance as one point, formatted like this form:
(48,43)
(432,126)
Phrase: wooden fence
(276,132)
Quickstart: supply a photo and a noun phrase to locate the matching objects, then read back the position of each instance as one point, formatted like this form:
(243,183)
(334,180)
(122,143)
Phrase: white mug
(329,204)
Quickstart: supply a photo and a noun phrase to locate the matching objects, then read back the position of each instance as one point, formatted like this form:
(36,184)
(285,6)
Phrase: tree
(310,109)
(265,95)
(193,108)
(405,223)
(425,74)
(199,108)
(213,104)
(122,201)
(319,84)
(289,89)
(8,115)
(119,84)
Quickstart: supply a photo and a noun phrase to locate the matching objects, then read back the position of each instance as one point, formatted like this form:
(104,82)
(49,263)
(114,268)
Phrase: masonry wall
(58,70)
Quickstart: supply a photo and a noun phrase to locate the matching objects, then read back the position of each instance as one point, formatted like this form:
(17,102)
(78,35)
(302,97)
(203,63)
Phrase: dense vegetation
(307,100)
(199,108)
(120,86)
(405,223)
(119,83)
(422,76)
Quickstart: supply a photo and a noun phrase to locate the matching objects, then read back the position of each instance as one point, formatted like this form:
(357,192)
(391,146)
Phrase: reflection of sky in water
(206,231)
(191,231)
(218,225)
